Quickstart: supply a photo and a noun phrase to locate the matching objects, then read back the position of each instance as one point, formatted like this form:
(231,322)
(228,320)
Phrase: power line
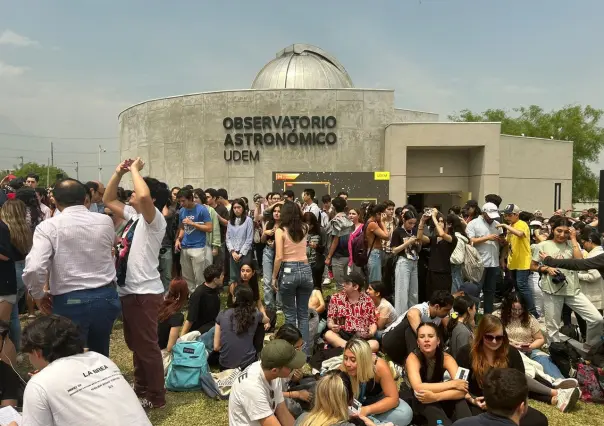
(56,152)
(19,135)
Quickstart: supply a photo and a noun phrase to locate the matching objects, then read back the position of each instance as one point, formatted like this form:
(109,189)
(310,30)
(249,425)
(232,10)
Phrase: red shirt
(359,316)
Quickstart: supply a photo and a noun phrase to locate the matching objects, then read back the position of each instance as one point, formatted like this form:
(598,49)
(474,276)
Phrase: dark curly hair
(506,309)
(55,336)
(244,309)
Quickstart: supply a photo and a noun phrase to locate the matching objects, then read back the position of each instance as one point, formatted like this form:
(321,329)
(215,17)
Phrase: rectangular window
(557,196)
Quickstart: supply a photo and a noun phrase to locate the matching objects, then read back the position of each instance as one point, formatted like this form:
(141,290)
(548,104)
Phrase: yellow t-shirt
(519,258)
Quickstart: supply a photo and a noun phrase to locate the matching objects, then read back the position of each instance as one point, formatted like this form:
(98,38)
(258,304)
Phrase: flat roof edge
(534,137)
(248,90)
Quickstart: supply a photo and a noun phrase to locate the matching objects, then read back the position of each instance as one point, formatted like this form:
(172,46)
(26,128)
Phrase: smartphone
(462,373)
(355,408)
(427,211)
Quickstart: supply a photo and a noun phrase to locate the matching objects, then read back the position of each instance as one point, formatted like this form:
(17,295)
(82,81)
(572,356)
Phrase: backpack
(459,253)
(596,354)
(591,383)
(565,357)
(473,268)
(189,363)
(360,255)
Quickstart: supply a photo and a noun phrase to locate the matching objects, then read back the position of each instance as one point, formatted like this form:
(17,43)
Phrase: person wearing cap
(519,253)
(351,313)
(257,397)
(484,233)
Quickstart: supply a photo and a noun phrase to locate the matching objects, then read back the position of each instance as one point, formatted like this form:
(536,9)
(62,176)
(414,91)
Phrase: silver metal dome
(302,66)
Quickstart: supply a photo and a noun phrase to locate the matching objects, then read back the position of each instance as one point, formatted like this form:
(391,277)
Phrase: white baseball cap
(491,210)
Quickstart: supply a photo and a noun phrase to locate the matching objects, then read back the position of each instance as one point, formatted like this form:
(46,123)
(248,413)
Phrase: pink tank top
(292,251)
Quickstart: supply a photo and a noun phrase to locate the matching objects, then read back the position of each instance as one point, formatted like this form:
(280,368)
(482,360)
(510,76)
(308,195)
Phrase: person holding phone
(433,398)
(375,233)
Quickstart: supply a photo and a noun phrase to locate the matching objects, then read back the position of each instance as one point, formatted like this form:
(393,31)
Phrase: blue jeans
(93,311)
(374,266)
(295,286)
(489,285)
(523,287)
(165,267)
(400,415)
(268,260)
(457,277)
(405,285)
(546,362)
(208,339)
(15,324)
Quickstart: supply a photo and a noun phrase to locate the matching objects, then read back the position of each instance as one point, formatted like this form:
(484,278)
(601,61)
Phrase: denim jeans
(400,415)
(93,311)
(489,284)
(165,266)
(457,277)
(295,286)
(15,323)
(268,260)
(374,266)
(405,285)
(521,277)
(208,339)
(546,362)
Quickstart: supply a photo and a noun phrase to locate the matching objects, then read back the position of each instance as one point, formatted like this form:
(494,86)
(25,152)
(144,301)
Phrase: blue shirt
(194,238)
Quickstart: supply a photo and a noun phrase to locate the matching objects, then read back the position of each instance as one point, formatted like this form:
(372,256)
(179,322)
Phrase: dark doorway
(417,201)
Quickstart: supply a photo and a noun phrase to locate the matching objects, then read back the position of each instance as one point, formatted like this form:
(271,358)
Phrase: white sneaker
(567,399)
(565,383)
(326,281)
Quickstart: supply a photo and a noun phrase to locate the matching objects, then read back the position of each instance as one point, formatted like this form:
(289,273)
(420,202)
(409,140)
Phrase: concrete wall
(410,116)
(530,167)
(481,140)
(423,170)
(183,137)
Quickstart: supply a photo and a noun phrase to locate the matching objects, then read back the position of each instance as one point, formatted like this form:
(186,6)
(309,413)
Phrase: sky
(68,68)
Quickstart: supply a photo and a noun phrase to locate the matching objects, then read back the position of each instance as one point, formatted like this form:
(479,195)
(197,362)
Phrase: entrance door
(417,201)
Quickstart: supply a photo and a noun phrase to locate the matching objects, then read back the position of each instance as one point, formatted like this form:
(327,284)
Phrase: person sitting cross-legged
(351,313)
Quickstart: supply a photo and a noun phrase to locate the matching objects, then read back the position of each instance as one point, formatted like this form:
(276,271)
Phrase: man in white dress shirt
(75,247)
(139,284)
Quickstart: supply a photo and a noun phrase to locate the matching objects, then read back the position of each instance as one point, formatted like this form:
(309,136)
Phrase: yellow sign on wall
(381,175)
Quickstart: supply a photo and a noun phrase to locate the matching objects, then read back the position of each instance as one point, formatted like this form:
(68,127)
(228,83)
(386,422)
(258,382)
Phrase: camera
(427,212)
(559,278)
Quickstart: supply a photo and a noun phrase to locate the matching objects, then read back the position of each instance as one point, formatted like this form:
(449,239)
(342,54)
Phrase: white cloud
(11,38)
(7,70)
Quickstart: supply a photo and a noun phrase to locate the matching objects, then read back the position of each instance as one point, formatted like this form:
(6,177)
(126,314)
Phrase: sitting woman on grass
(373,385)
(170,316)
(460,327)
(239,334)
(384,311)
(334,397)
(249,278)
(435,399)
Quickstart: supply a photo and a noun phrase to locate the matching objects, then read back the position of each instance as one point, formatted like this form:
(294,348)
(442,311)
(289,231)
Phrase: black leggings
(445,411)
(531,418)
(399,342)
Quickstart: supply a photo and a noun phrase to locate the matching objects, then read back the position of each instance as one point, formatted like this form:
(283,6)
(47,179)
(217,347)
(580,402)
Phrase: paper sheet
(9,414)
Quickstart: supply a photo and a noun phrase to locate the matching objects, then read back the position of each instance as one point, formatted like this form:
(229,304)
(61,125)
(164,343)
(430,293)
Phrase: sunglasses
(493,338)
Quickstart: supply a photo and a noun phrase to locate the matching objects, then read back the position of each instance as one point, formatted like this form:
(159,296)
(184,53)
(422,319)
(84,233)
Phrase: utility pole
(77,168)
(48,173)
(52,155)
(21,161)
(101,149)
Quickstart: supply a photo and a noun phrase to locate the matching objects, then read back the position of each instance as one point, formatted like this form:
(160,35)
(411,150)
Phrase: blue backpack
(189,363)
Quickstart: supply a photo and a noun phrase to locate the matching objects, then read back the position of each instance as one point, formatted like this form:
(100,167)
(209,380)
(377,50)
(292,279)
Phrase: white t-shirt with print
(253,398)
(84,389)
(142,276)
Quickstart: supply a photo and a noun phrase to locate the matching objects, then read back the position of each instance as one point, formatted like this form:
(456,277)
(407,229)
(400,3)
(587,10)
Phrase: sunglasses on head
(493,338)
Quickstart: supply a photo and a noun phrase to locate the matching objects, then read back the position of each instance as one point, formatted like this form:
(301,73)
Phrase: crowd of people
(88,254)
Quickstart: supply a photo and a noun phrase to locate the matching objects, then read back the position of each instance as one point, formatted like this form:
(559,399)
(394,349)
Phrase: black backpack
(596,354)
(565,357)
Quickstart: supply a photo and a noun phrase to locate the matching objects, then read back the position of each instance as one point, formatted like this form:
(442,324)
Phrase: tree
(572,123)
(42,171)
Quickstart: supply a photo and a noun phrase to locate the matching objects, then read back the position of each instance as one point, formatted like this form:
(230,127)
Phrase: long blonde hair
(364,360)
(13,214)
(332,397)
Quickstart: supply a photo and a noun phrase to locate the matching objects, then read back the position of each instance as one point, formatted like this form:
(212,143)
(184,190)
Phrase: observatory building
(303,123)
